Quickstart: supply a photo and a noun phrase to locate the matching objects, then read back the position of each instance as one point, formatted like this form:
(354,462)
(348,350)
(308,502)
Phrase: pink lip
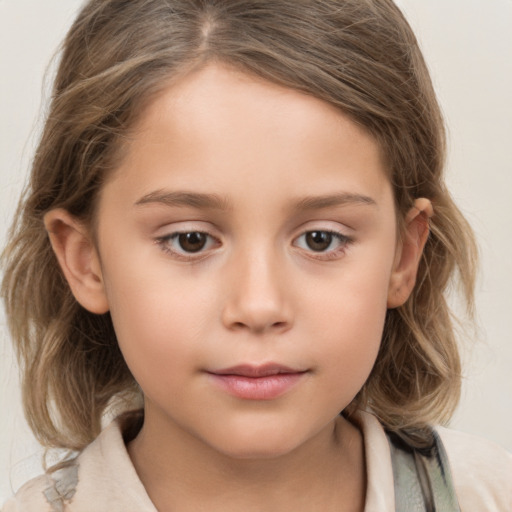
(264,382)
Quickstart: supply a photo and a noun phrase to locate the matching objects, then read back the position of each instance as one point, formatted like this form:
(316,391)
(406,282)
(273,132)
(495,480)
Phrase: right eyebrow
(184,198)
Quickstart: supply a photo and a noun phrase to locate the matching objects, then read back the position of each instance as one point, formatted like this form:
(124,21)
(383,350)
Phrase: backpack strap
(422,477)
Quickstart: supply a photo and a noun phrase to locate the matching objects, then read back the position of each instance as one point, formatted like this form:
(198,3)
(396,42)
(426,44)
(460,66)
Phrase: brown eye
(318,240)
(188,245)
(193,241)
(323,244)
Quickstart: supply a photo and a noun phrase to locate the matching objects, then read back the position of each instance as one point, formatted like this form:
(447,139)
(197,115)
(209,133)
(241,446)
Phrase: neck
(182,473)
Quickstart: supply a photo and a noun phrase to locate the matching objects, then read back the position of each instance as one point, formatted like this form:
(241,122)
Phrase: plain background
(468,45)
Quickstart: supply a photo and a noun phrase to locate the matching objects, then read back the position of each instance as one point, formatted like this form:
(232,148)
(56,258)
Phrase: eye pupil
(192,242)
(318,240)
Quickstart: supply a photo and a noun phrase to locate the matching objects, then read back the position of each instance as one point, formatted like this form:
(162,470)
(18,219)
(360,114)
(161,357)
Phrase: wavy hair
(358,55)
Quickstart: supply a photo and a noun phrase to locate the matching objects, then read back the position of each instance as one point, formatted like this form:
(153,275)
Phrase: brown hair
(359,55)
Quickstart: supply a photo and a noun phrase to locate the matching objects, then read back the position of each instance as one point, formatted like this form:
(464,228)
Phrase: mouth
(257,382)
(256,371)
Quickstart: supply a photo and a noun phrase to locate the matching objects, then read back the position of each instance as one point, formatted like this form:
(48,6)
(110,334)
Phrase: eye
(322,241)
(192,242)
(187,242)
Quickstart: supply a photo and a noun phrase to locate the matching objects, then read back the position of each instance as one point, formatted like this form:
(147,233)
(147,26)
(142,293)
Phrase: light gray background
(468,45)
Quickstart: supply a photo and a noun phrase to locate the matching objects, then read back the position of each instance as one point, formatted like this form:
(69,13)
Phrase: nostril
(257,310)
(259,327)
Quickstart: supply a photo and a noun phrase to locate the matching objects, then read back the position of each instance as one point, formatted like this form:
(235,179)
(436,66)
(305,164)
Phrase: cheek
(353,339)
(153,314)
(157,342)
(350,316)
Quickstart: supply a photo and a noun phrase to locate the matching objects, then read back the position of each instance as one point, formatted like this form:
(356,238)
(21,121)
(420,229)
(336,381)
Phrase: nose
(257,296)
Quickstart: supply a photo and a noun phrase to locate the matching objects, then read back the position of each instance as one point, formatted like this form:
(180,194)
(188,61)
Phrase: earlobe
(78,259)
(414,238)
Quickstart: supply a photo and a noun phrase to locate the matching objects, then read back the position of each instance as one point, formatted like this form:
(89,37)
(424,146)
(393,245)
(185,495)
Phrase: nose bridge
(257,300)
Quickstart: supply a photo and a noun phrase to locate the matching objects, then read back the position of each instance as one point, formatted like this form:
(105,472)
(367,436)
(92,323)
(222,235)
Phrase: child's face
(290,250)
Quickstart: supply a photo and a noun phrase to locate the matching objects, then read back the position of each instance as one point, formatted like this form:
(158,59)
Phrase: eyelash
(343,240)
(163,242)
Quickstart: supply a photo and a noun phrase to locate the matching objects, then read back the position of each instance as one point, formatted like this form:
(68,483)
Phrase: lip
(257,382)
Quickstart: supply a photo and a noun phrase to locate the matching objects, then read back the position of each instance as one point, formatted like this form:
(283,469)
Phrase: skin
(279,164)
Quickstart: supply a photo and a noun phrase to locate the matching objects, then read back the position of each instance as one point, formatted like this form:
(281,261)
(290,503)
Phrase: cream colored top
(105,480)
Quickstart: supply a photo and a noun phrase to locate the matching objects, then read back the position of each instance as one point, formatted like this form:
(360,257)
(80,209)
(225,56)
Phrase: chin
(257,442)
(259,450)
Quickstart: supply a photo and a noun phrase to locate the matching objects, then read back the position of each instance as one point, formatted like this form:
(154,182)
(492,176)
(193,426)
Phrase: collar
(108,480)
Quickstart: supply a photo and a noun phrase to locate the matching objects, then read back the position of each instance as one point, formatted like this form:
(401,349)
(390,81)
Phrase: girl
(236,229)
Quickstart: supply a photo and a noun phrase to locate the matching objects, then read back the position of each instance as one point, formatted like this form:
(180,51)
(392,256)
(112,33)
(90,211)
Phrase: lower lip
(258,388)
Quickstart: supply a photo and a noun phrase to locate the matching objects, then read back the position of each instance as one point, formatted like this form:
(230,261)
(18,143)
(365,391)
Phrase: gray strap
(63,487)
(423,481)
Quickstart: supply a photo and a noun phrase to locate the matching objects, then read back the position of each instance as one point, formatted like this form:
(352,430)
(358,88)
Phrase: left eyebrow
(331,200)
(184,198)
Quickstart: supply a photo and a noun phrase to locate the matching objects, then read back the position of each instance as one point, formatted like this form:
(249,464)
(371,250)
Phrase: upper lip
(249,370)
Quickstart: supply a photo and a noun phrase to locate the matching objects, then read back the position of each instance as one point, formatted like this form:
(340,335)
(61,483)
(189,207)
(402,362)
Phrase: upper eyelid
(324,224)
(167,230)
(345,232)
(341,236)
(175,234)
(169,233)
(187,226)
(191,224)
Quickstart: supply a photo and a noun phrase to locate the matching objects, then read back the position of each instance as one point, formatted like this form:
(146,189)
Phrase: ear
(78,259)
(409,251)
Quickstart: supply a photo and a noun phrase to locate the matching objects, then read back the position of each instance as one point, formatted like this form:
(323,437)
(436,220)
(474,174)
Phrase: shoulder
(102,478)
(30,497)
(481,471)
(49,492)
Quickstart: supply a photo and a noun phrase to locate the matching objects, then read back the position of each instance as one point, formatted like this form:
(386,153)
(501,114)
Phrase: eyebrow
(332,200)
(216,202)
(183,198)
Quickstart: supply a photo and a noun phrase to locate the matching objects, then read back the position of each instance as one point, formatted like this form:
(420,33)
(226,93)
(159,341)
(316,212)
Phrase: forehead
(218,127)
